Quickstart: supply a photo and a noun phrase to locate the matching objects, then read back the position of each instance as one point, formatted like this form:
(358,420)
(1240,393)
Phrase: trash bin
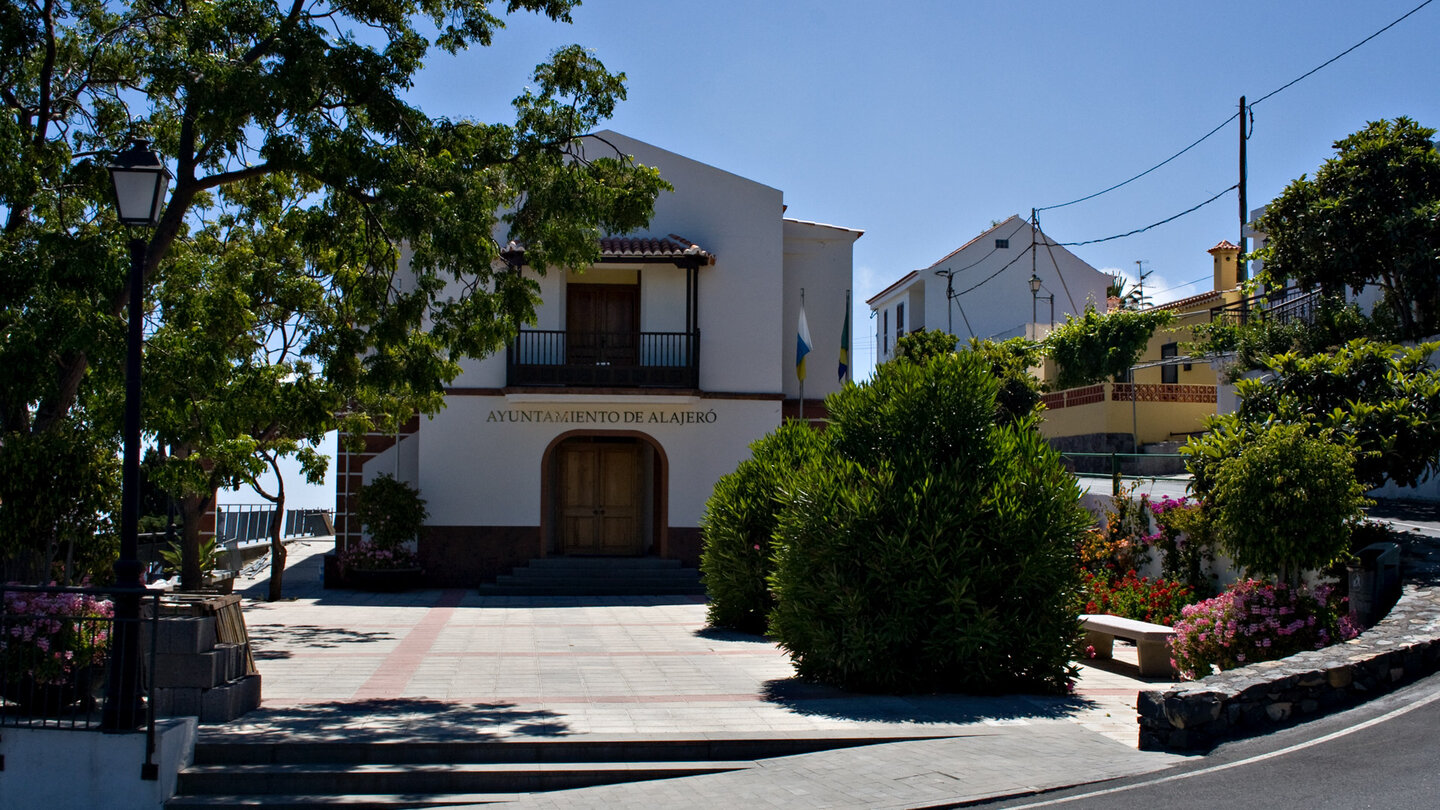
(1375,583)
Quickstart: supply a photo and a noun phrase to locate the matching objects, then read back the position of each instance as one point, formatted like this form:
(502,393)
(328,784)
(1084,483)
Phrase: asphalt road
(1383,755)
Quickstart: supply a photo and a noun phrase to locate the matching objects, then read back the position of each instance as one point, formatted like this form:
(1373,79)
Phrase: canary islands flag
(802,345)
(845,342)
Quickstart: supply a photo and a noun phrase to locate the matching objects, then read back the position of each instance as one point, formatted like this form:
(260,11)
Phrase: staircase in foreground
(597,576)
(441,774)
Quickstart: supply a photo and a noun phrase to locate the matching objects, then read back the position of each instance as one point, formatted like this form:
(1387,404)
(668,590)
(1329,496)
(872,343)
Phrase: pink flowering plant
(45,637)
(1257,621)
(374,557)
(1186,541)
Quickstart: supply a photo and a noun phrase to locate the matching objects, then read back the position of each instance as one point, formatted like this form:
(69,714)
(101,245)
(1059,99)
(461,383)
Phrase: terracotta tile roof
(1192,301)
(649,248)
(1225,244)
(910,276)
(644,249)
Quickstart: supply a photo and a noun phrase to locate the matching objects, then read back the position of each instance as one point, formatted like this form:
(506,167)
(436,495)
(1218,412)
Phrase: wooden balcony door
(601,500)
(602,324)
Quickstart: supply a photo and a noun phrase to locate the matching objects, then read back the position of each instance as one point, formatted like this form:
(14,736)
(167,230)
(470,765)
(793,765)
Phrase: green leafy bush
(391,511)
(1185,537)
(933,545)
(1095,347)
(1255,621)
(1286,503)
(739,522)
(1380,399)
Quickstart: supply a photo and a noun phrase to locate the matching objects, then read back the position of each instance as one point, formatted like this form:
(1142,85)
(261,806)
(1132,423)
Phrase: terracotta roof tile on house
(1225,244)
(649,249)
(646,249)
(1192,301)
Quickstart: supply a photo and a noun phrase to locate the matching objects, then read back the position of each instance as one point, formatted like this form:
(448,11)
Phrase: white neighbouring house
(605,425)
(982,290)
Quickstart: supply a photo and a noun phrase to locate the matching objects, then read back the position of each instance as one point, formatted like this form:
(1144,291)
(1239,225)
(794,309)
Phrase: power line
(1154,225)
(1327,62)
(1017,258)
(1149,170)
(1222,125)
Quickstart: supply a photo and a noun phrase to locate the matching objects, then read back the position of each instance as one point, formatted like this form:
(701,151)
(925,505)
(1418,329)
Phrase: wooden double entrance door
(601,496)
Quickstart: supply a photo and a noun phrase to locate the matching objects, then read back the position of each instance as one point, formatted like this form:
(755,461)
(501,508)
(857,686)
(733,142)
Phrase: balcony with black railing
(555,357)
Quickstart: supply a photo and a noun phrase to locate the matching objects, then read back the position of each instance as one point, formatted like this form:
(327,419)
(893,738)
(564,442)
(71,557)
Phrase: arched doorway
(605,495)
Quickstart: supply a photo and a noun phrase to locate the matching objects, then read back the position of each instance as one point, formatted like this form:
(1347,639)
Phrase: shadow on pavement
(828,701)
(394,720)
(265,638)
(721,634)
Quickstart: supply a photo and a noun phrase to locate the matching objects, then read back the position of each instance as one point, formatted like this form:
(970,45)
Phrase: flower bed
(52,646)
(1255,621)
(1136,597)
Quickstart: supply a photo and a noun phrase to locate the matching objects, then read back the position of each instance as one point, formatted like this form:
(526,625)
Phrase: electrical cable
(1149,170)
(1342,53)
(1153,225)
(1222,125)
(997,272)
(993,248)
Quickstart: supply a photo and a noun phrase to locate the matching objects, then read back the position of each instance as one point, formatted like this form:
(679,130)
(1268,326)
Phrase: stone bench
(1152,641)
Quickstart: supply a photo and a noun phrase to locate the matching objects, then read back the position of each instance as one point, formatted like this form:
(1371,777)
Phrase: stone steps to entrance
(597,576)
(433,774)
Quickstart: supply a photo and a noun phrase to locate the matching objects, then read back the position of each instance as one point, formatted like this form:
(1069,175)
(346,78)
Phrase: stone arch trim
(661,484)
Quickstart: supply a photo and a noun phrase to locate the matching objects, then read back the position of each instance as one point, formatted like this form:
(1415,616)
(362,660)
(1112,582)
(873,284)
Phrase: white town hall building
(604,426)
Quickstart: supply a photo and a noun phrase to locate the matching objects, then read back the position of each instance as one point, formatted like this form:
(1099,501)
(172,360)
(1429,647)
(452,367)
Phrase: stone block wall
(1401,648)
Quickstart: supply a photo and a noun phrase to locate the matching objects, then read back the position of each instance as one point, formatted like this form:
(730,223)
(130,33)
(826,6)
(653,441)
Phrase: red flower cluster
(1136,597)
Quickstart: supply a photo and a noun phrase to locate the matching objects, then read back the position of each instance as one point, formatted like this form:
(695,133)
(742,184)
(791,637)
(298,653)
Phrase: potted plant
(53,650)
(216,580)
(391,512)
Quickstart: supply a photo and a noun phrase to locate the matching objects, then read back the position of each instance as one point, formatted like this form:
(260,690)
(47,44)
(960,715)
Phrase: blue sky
(922,122)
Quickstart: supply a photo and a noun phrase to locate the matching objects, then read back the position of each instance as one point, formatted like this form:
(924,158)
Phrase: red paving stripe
(402,663)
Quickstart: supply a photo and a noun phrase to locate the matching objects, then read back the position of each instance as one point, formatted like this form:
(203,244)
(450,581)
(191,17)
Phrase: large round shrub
(933,548)
(739,521)
(1287,503)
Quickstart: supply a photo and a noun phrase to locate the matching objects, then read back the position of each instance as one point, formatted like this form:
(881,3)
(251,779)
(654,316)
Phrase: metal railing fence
(63,649)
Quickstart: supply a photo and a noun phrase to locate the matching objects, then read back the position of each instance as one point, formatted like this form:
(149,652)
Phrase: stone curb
(1252,700)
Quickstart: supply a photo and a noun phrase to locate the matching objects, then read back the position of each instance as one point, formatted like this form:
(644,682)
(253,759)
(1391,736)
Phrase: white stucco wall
(64,768)
(818,259)
(1001,305)
(483,463)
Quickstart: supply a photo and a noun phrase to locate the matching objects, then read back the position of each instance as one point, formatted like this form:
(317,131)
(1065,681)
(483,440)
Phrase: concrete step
(604,562)
(374,801)
(420,774)
(428,778)
(593,589)
(597,576)
(589,749)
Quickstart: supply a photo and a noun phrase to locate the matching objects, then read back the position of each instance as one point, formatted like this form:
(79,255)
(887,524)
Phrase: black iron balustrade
(555,357)
(57,646)
(1280,310)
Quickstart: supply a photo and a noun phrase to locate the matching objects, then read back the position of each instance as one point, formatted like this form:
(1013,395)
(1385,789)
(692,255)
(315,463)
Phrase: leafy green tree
(1370,216)
(1253,342)
(1010,362)
(288,97)
(1287,502)
(1095,347)
(1381,400)
(932,547)
(919,347)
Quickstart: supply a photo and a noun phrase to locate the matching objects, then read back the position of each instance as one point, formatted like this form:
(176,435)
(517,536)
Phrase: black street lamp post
(140,181)
(1035,297)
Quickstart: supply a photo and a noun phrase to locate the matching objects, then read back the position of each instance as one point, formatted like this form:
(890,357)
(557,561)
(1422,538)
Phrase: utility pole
(1034,228)
(1243,271)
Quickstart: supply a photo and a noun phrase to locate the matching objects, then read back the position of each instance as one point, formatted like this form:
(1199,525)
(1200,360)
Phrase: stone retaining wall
(1259,698)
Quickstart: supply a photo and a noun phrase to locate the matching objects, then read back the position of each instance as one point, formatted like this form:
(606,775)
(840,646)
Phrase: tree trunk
(277,548)
(192,511)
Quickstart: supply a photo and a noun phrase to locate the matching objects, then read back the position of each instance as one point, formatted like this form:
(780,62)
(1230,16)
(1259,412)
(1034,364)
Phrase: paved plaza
(455,665)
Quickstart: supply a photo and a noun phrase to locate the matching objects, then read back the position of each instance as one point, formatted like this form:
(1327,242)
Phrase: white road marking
(1252,760)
